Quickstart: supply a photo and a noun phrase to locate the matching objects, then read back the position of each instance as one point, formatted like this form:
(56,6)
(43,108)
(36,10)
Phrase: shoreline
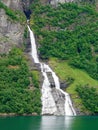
(35,114)
(15,114)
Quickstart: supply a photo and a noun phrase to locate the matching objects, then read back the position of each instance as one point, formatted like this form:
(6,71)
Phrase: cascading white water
(48,103)
(69,110)
(33,47)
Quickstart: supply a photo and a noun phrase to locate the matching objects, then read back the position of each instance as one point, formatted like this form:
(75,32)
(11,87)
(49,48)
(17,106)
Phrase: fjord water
(49,123)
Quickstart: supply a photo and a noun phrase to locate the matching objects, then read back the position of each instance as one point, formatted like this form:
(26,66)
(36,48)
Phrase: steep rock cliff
(11,30)
(18,4)
(13,4)
(60,1)
(11,33)
(54,2)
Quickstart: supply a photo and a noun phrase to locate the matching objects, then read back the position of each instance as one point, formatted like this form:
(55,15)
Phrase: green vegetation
(14,15)
(65,71)
(35,78)
(68,38)
(89,1)
(15,95)
(26,32)
(89,97)
(9,12)
(68,32)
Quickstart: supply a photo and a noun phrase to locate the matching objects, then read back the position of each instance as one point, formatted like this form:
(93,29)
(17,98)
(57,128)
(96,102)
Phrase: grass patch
(63,70)
(35,78)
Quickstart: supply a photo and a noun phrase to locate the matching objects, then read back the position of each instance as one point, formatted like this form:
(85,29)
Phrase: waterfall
(33,47)
(49,105)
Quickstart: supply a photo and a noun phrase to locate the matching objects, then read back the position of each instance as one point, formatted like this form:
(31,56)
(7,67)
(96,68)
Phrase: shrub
(89,97)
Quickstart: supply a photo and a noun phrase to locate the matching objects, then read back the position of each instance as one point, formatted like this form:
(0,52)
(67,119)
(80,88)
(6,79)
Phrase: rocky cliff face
(55,2)
(13,4)
(61,1)
(11,33)
(18,4)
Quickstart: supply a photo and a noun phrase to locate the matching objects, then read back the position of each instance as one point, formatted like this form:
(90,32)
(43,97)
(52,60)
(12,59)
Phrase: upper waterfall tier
(33,47)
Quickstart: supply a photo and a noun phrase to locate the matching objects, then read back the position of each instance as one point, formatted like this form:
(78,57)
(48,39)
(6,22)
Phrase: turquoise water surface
(49,123)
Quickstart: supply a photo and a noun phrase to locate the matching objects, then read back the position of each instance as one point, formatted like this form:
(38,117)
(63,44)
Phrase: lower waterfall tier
(53,102)
(59,99)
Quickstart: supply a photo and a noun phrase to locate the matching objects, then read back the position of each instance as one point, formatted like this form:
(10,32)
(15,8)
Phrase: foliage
(26,32)
(89,1)
(64,70)
(14,71)
(20,101)
(68,32)
(89,97)
(14,15)
(9,12)
(15,97)
(35,78)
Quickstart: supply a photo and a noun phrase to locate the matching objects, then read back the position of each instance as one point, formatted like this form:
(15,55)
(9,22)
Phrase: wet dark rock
(38,66)
(59,99)
(27,13)
(25,5)
(51,80)
(63,85)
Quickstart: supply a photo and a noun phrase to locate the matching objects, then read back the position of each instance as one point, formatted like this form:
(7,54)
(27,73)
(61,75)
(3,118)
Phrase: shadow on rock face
(27,13)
